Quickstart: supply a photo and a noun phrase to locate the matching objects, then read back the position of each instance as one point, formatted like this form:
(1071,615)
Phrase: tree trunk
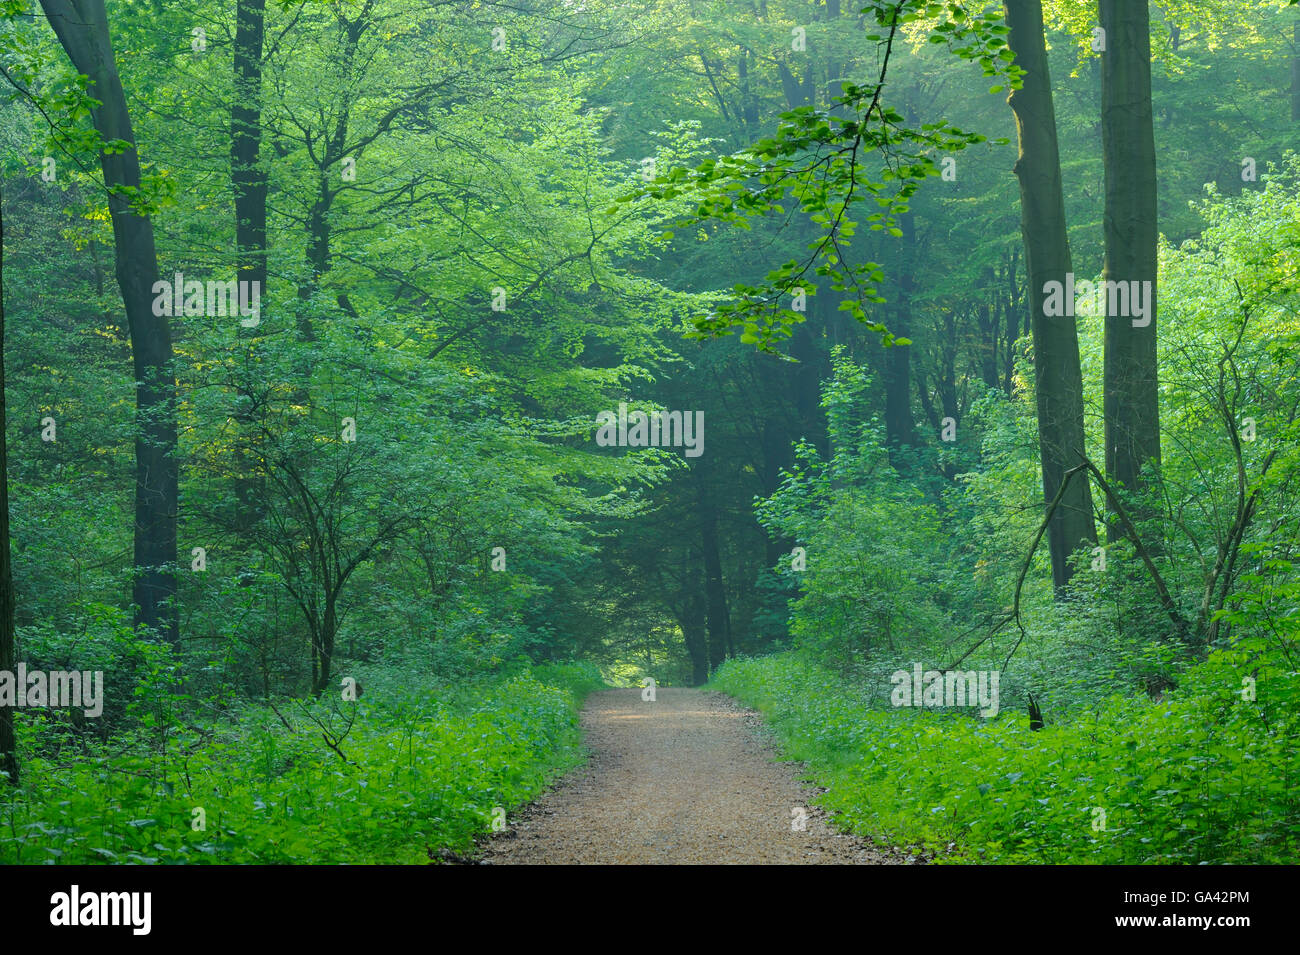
(987,320)
(748,101)
(247,176)
(82,29)
(948,367)
(811,369)
(328,632)
(1011,306)
(715,595)
(900,428)
(249,182)
(1295,73)
(1059,381)
(8,745)
(1131,409)
(697,638)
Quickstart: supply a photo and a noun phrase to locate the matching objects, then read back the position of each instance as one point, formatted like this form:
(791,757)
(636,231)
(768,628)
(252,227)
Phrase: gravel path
(685,779)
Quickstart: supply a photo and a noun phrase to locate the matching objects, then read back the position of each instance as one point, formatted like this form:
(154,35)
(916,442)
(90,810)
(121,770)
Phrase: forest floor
(688,778)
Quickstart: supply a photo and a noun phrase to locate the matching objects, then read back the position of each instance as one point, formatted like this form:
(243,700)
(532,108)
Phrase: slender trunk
(948,367)
(82,29)
(8,745)
(328,632)
(900,428)
(834,69)
(1131,409)
(318,256)
(777,454)
(748,101)
(249,182)
(1059,380)
(810,370)
(247,176)
(986,318)
(947,382)
(315,655)
(1295,73)
(695,632)
(318,223)
(715,595)
(1011,306)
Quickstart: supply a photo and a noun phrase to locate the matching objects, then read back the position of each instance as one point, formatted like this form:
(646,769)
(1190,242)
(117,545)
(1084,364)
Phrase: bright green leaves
(425,770)
(1198,778)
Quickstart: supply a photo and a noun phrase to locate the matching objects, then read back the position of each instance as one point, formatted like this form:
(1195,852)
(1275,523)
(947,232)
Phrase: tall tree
(1132,415)
(82,29)
(249,180)
(900,426)
(1058,378)
(717,613)
(247,175)
(1295,72)
(8,745)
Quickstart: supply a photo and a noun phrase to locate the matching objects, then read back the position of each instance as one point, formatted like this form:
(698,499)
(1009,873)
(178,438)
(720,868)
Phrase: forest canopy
(359,357)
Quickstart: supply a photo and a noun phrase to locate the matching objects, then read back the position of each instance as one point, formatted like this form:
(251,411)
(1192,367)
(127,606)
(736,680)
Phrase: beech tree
(82,29)
(1058,379)
(8,745)
(1128,144)
(250,184)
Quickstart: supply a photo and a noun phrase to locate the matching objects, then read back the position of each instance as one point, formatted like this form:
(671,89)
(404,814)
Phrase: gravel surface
(685,779)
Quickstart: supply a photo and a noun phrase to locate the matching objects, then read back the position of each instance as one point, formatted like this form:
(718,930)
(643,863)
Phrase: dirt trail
(685,779)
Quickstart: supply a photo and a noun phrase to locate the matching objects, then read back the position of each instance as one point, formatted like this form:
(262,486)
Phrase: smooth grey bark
(900,425)
(8,744)
(249,182)
(717,615)
(82,29)
(1131,405)
(1059,380)
(1295,73)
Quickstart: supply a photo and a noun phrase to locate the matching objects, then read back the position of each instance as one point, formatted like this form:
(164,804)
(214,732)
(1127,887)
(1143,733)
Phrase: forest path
(684,779)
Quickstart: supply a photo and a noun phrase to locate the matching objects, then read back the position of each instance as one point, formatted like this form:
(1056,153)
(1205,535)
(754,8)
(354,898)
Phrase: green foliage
(424,770)
(876,568)
(459,260)
(819,159)
(1203,776)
